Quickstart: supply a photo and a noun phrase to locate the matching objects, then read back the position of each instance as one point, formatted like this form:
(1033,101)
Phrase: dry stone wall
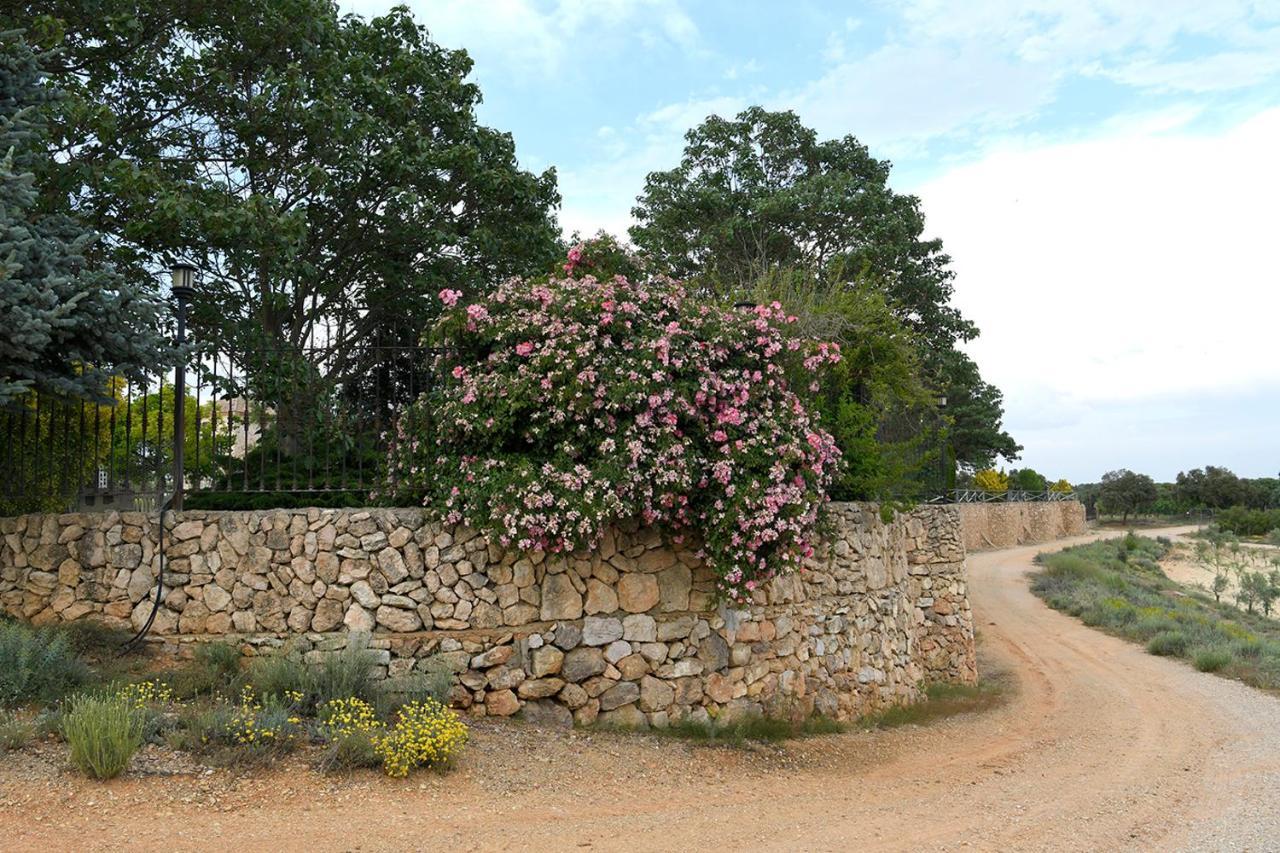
(1004,525)
(630,633)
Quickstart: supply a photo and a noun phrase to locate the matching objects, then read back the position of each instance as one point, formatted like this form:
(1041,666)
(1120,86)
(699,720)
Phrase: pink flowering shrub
(568,404)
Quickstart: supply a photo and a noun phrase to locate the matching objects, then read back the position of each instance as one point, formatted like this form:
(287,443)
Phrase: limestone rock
(600,597)
(501,703)
(582,663)
(559,598)
(540,688)
(639,628)
(568,635)
(637,592)
(548,714)
(620,694)
(547,660)
(674,585)
(328,615)
(494,657)
(655,694)
(506,677)
(626,717)
(600,631)
(358,620)
(714,653)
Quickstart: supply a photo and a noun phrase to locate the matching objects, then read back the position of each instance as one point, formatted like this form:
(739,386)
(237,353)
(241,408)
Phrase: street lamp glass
(183,277)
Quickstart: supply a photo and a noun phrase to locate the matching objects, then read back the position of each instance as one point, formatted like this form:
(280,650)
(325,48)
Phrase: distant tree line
(1213,488)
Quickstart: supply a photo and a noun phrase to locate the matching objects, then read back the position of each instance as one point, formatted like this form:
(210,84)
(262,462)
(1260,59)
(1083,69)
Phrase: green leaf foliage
(70,318)
(761,193)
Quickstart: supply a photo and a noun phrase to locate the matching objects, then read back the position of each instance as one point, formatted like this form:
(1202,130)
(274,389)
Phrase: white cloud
(742,69)
(1121,268)
(1133,41)
(600,193)
(898,96)
(542,37)
(1211,74)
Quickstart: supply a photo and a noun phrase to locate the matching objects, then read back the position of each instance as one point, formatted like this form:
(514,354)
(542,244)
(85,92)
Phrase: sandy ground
(1102,747)
(1182,566)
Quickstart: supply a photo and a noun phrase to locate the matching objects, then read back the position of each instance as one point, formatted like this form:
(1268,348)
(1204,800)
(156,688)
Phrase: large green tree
(321,170)
(1126,493)
(761,192)
(70,319)
(1213,486)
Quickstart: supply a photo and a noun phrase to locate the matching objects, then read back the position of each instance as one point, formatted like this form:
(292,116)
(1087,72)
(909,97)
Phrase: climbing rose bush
(567,404)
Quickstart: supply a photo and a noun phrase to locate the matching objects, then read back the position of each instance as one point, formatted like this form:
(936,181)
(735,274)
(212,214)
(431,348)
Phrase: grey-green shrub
(15,732)
(349,751)
(341,675)
(1211,658)
(345,674)
(1168,643)
(277,674)
(103,732)
(222,660)
(36,664)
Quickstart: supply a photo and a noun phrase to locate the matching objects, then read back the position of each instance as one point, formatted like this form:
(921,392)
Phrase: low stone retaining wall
(1003,525)
(630,633)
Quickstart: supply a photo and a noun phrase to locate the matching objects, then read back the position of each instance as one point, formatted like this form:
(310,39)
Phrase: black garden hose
(155,604)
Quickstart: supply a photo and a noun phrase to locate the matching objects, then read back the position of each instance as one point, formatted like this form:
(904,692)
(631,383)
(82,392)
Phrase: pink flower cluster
(570,404)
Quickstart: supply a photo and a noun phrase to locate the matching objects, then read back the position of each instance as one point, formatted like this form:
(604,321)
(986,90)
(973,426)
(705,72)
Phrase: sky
(1105,175)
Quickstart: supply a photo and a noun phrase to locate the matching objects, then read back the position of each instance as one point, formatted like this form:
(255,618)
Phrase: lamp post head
(183,282)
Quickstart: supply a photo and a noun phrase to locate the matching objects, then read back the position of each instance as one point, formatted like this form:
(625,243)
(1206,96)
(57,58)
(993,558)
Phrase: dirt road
(1103,747)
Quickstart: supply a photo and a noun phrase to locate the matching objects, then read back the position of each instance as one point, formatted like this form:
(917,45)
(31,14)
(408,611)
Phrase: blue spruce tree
(66,322)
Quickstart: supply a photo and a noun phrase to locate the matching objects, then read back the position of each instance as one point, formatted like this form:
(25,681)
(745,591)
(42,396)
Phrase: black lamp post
(183,291)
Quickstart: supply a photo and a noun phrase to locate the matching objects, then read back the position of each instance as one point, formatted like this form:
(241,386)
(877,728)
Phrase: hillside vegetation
(1117,585)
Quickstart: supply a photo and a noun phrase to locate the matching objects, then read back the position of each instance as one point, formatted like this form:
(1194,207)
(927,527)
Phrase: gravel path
(1102,747)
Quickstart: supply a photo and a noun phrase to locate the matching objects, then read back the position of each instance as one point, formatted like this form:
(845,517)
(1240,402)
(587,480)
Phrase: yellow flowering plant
(262,725)
(143,694)
(426,734)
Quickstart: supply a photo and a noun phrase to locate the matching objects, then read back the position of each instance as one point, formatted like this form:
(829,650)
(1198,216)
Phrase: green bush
(350,751)
(222,660)
(15,732)
(277,674)
(415,687)
(1168,644)
(1117,585)
(1243,521)
(344,674)
(36,664)
(104,732)
(90,637)
(1211,659)
(1247,649)
(199,728)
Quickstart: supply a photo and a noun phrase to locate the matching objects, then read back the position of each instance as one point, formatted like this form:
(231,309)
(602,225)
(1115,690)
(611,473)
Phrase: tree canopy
(318,169)
(1126,492)
(761,192)
(70,318)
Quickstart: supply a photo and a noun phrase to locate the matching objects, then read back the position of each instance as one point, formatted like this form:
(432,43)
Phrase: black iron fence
(972,496)
(288,420)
